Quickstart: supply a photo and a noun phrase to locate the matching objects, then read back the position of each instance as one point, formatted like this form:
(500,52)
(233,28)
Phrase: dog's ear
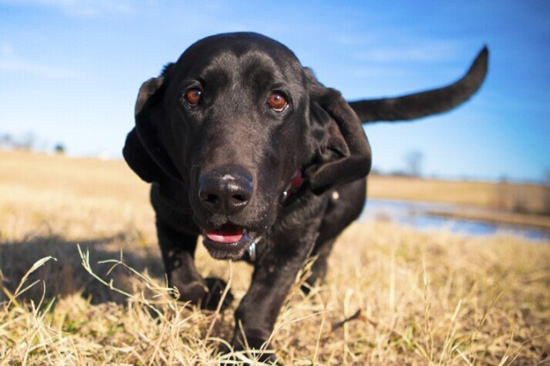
(344,153)
(139,159)
(143,150)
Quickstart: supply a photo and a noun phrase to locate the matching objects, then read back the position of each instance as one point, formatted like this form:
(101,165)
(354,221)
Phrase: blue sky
(70,70)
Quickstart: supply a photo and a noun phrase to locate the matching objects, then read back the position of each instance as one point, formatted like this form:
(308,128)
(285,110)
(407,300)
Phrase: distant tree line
(519,198)
(26,142)
(413,166)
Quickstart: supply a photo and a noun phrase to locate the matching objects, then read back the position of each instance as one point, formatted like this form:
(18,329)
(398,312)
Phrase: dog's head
(238,122)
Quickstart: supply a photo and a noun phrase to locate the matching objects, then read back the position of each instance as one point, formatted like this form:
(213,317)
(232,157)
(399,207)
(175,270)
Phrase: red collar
(297,180)
(295,183)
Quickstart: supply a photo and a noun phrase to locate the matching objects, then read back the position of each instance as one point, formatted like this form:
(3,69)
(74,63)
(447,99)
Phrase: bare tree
(6,140)
(27,142)
(413,162)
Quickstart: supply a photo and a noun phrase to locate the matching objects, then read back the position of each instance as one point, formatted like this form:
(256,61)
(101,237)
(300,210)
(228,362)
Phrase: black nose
(226,190)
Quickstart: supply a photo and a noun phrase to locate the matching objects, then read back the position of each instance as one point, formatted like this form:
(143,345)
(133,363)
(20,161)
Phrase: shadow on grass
(66,275)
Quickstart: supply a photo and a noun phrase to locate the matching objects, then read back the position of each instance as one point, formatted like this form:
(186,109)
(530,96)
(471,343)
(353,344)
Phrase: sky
(70,70)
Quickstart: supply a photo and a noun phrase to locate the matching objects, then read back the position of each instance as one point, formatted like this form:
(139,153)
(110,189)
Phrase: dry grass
(424,298)
(526,198)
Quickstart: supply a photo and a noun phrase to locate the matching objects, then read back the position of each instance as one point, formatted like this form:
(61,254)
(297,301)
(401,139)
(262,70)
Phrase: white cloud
(378,71)
(6,50)
(79,8)
(10,63)
(23,67)
(420,52)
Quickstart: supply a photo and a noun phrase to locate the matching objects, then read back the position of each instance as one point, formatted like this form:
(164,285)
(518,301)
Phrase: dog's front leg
(273,277)
(178,254)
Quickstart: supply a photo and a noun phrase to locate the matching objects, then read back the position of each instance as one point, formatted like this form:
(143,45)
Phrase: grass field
(526,197)
(503,202)
(393,296)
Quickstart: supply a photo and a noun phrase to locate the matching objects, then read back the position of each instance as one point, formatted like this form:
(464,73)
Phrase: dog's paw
(192,293)
(254,349)
(216,289)
(250,356)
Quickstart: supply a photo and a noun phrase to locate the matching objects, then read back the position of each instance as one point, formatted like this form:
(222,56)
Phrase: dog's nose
(226,190)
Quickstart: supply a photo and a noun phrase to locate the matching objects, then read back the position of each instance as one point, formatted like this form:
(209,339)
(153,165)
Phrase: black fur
(232,163)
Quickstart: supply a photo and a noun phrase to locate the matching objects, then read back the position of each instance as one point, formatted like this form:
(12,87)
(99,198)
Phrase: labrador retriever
(246,148)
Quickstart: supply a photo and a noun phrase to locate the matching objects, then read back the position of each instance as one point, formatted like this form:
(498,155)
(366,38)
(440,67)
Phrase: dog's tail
(425,103)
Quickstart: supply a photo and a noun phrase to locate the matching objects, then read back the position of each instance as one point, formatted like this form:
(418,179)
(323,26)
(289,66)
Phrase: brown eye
(277,102)
(193,97)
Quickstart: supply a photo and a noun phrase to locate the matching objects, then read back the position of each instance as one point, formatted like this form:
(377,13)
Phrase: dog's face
(237,120)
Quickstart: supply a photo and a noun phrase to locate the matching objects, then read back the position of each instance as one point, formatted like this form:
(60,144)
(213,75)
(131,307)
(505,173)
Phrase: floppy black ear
(139,159)
(344,153)
(143,150)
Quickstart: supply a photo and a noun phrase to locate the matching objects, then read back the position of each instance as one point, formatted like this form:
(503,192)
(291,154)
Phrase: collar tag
(252,249)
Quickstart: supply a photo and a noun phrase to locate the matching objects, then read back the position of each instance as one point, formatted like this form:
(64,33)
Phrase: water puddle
(419,216)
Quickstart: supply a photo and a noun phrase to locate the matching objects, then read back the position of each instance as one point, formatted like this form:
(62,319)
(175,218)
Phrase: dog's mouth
(227,234)
(229,241)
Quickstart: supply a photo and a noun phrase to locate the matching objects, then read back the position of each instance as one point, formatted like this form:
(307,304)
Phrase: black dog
(245,147)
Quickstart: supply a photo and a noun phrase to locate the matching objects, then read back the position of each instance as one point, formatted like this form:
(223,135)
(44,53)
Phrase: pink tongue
(229,234)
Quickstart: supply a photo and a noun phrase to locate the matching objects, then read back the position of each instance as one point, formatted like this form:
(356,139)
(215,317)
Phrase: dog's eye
(193,97)
(277,102)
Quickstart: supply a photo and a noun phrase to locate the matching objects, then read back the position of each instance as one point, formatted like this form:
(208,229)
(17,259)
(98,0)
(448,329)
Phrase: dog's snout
(226,191)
